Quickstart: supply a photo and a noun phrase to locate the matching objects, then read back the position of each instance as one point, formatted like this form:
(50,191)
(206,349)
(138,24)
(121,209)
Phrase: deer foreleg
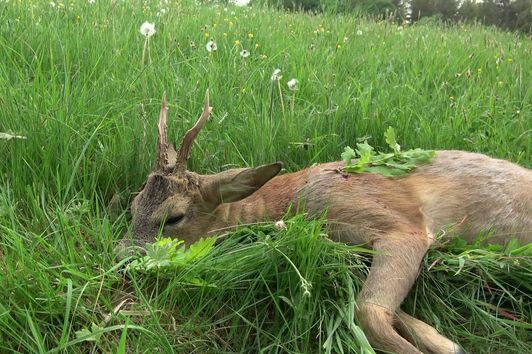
(393,272)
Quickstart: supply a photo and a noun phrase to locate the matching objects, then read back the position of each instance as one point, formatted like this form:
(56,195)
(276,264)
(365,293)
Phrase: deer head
(179,203)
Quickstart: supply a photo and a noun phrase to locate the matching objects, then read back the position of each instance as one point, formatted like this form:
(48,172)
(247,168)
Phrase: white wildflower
(346,39)
(52,4)
(359,33)
(244,53)
(292,84)
(211,46)
(92,2)
(280,225)
(276,75)
(147,29)
(400,28)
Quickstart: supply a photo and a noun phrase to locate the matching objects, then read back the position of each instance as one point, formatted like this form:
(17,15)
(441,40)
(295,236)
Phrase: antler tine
(162,140)
(188,139)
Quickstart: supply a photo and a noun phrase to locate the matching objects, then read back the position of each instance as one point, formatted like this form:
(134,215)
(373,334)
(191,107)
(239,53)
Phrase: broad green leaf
(200,248)
(389,136)
(365,151)
(348,155)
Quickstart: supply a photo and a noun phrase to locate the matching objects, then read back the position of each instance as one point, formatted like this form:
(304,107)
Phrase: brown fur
(457,193)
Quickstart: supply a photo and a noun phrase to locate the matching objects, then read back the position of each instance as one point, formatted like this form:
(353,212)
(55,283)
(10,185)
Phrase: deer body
(457,193)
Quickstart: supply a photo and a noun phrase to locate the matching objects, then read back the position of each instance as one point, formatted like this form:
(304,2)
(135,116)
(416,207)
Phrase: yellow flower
(479,70)
(263,56)
(250,35)
(231,23)
(510,60)
(257,45)
(206,34)
(501,83)
(338,46)
(237,42)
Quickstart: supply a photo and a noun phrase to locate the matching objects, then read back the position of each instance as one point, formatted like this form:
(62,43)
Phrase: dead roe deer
(459,191)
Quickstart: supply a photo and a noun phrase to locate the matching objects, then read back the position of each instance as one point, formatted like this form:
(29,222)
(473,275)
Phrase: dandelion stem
(281,98)
(271,115)
(293,103)
(146,46)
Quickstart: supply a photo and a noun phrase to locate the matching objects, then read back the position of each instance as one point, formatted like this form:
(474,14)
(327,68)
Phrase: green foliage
(169,254)
(90,335)
(445,9)
(396,163)
(367,7)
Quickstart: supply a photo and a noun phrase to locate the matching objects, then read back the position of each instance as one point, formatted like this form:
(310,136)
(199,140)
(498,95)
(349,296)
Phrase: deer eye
(174,219)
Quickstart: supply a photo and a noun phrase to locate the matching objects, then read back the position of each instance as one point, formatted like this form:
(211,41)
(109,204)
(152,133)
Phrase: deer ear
(234,185)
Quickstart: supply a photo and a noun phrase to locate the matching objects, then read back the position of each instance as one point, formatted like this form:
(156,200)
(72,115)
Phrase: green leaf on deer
(396,163)
(389,136)
(348,155)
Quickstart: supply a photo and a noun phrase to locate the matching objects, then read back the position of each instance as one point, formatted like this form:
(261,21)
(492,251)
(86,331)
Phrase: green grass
(72,81)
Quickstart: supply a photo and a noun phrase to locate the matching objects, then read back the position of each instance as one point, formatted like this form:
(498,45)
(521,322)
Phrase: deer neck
(269,203)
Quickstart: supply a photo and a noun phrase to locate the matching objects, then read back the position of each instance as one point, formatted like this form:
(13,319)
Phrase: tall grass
(72,81)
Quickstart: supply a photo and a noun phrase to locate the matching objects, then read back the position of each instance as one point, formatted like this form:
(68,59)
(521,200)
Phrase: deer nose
(128,247)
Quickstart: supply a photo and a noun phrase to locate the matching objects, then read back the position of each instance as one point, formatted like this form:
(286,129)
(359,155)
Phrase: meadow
(80,92)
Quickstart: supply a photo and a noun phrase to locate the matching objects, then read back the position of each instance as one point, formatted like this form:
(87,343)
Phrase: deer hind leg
(424,336)
(392,274)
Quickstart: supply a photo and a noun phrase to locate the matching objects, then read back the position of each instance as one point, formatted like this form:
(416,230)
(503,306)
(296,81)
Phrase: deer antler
(188,139)
(166,154)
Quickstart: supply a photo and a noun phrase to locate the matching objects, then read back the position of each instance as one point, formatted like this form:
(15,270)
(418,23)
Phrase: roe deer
(398,217)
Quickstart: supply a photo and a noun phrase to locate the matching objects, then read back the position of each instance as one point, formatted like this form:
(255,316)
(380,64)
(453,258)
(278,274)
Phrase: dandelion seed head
(276,75)
(292,84)
(147,29)
(211,46)
(280,225)
(244,53)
